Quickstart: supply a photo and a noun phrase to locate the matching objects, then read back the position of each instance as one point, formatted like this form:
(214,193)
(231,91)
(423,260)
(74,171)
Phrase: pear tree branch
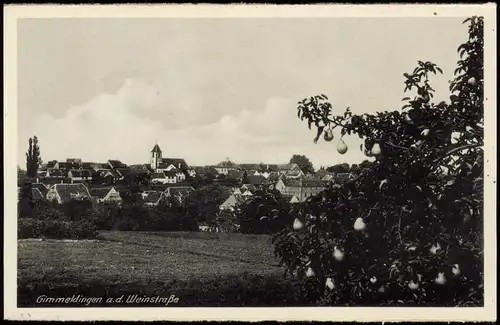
(452,151)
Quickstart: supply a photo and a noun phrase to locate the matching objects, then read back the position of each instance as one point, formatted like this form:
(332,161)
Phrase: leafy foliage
(266,212)
(409,227)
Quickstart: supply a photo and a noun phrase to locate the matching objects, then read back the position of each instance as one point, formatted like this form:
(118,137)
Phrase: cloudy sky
(210,89)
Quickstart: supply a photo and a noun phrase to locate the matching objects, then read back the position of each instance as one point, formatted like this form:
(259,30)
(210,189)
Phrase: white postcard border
(13,13)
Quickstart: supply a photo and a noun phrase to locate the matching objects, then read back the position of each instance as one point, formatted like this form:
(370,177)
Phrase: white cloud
(120,126)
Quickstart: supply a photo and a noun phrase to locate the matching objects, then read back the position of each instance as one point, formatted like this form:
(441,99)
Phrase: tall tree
(33,159)
(303,162)
(410,226)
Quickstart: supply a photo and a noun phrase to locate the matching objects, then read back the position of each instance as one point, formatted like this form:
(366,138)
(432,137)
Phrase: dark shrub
(55,229)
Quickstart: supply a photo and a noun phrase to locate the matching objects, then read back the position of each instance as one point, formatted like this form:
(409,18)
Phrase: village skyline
(21,164)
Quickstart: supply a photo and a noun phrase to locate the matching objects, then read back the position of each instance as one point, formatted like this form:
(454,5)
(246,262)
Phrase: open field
(213,269)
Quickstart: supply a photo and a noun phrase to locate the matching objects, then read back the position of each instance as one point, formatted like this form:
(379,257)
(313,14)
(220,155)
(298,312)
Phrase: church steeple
(156,149)
(155,157)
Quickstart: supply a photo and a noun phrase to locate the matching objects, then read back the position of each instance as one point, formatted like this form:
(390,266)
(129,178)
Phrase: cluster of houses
(74,179)
(65,192)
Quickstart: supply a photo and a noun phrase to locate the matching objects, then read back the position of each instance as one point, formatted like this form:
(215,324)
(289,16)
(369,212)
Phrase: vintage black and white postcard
(332,162)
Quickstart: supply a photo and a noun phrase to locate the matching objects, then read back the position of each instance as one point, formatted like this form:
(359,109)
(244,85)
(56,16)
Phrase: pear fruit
(328,136)
(297,224)
(373,279)
(310,272)
(329,284)
(413,285)
(338,254)
(359,224)
(435,248)
(455,269)
(376,151)
(472,81)
(342,147)
(440,278)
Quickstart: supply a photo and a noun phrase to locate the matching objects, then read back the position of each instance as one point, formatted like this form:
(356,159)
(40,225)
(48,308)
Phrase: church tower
(155,157)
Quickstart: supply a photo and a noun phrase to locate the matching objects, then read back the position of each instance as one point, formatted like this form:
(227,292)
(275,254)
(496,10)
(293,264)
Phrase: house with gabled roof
(106,195)
(77,175)
(66,192)
(87,165)
(237,175)
(330,177)
(180,176)
(141,168)
(121,172)
(55,173)
(249,187)
(171,176)
(158,178)
(100,166)
(225,166)
(292,173)
(179,192)
(291,198)
(255,180)
(63,165)
(233,201)
(167,164)
(109,176)
(115,164)
(302,187)
(339,178)
(40,187)
(74,161)
(152,198)
(37,195)
(191,172)
(250,167)
(53,164)
(322,172)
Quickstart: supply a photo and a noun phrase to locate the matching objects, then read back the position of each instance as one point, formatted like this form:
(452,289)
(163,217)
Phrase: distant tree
(303,162)
(209,178)
(133,181)
(20,173)
(203,204)
(365,165)
(339,168)
(33,159)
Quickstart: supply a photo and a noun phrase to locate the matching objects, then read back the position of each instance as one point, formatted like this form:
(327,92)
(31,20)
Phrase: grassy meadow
(209,269)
